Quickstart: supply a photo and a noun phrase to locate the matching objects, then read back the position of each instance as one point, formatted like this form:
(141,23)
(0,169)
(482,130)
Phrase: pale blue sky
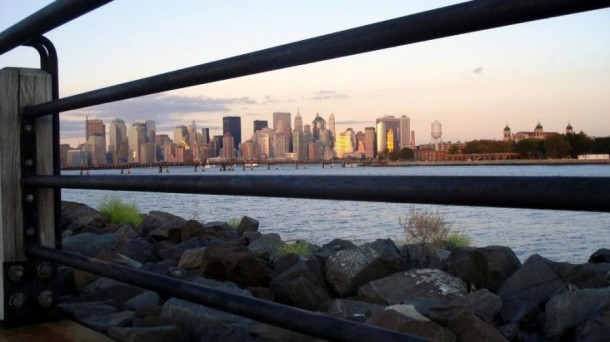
(555,70)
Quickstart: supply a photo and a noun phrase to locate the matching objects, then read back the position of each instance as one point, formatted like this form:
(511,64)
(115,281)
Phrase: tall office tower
(137,137)
(205,135)
(369,142)
(391,123)
(381,137)
(260,124)
(413,140)
(344,144)
(192,130)
(147,153)
(248,149)
(299,143)
(359,140)
(181,135)
(279,148)
(96,151)
(316,125)
(232,124)
(218,144)
(390,141)
(331,128)
(281,122)
(404,125)
(96,128)
(228,143)
(307,129)
(151,130)
(263,140)
(118,146)
(298,122)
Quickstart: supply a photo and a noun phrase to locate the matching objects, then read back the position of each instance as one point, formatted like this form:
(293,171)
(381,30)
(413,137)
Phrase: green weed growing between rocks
(459,239)
(302,248)
(233,223)
(118,212)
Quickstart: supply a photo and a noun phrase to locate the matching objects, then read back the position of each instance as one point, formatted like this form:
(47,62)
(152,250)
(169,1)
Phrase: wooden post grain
(18,88)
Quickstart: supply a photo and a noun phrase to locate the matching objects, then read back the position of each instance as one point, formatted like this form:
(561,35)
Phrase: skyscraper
(391,123)
(344,144)
(404,125)
(369,142)
(205,135)
(137,137)
(381,137)
(151,130)
(181,135)
(298,123)
(281,122)
(232,124)
(95,140)
(228,150)
(331,129)
(260,124)
(118,146)
(317,124)
(192,130)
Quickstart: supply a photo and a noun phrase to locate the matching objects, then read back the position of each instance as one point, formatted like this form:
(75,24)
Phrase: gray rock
(530,286)
(502,262)
(135,248)
(394,320)
(147,298)
(83,309)
(266,246)
(468,327)
(602,255)
(127,230)
(236,264)
(228,334)
(354,310)
(149,334)
(114,289)
(567,310)
(223,286)
(90,245)
(247,224)
(481,302)
(75,216)
(409,311)
(191,229)
(348,269)
(217,226)
(195,319)
(175,251)
(582,276)
(469,264)
(166,225)
(102,322)
(418,283)
(192,258)
(301,285)
(269,333)
(596,328)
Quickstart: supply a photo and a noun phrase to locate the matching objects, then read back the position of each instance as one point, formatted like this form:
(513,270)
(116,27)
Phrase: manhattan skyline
(554,71)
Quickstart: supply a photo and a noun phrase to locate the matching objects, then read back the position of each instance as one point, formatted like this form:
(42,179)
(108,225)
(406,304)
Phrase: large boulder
(164,225)
(597,327)
(145,334)
(395,319)
(354,310)
(486,267)
(247,224)
(348,269)
(602,255)
(236,264)
(407,287)
(588,275)
(528,288)
(266,246)
(76,216)
(481,302)
(89,244)
(119,291)
(567,310)
(301,284)
(335,245)
(468,327)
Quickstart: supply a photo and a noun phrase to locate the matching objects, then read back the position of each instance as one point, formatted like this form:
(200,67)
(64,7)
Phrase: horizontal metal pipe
(443,22)
(308,322)
(51,16)
(560,193)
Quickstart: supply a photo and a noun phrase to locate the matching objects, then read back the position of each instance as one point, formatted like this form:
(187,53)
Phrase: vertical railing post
(26,215)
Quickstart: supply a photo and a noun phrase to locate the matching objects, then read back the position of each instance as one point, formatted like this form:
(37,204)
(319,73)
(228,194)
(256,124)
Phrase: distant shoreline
(499,162)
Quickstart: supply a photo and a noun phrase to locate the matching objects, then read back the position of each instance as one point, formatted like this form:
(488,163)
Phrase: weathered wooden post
(25,288)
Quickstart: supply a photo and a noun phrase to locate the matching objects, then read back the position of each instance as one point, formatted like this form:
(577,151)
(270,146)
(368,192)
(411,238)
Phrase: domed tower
(538,133)
(569,129)
(507,135)
(436,133)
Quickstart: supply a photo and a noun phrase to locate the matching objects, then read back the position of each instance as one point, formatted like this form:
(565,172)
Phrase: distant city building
(151,130)
(404,125)
(181,135)
(76,158)
(118,146)
(298,122)
(260,124)
(205,135)
(281,122)
(538,133)
(436,133)
(228,143)
(147,153)
(369,142)
(317,125)
(331,129)
(391,123)
(136,137)
(232,124)
(390,140)
(192,134)
(95,141)
(344,144)
(382,142)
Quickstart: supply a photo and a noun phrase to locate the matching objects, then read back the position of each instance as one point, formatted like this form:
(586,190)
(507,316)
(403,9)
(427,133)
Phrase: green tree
(529,148)
(453,149)
(580,144)
(405,153)
(601,145)
(556,146)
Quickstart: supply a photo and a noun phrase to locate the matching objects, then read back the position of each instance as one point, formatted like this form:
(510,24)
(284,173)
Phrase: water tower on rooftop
(436,133)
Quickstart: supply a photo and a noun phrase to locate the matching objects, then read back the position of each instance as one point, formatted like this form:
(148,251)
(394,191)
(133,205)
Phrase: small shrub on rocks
(233,223)
(459,239)
(425,227)
(118,212)
(302,248)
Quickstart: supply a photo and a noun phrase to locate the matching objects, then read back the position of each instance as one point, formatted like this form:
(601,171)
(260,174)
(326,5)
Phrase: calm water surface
(558,235)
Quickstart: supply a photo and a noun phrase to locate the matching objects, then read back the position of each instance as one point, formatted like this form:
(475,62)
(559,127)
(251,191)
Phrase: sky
(554,71)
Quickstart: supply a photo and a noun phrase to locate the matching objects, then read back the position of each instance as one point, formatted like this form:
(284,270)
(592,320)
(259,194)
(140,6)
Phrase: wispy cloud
(327,95)
(354,122)
(477,70)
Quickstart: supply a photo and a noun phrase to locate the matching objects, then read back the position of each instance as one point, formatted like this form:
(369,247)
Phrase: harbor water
(569,236)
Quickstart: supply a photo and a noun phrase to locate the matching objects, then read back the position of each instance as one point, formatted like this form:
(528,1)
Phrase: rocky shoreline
(456,294)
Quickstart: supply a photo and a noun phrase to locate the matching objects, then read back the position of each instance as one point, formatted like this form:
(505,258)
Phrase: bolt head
(16,273)
(16,301)
(45,270)
(29,198)
(45,298)
(28,128)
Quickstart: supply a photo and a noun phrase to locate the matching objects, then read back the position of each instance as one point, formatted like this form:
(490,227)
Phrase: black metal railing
(569,193)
